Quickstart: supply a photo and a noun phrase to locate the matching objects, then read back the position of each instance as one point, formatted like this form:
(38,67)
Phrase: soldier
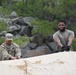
(63,37)
(12,48)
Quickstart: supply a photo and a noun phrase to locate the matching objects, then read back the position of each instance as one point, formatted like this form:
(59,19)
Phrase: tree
(0,2)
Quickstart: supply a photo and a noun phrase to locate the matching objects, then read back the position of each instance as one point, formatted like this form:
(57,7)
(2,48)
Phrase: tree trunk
(26,3)
(43,12)
(0,2)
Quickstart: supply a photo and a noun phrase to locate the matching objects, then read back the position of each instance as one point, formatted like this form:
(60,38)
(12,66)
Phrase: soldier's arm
(71,37)
(18,52)
(57,40)
(6,55)
(18,55)
(11,57)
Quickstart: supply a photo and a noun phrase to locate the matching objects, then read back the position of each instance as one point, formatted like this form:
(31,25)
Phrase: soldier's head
(62,25)
(8,38)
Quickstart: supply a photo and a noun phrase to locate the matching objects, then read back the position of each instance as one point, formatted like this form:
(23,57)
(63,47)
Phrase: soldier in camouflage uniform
(63,37)
(13,50)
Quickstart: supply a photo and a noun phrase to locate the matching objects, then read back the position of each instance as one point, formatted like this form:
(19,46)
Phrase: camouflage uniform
(3,54)
(63,36)
(13,49)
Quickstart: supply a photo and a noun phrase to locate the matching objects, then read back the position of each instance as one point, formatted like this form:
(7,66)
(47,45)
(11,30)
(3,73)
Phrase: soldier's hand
(67,48)
(63,48)
(18,57)
(13,58)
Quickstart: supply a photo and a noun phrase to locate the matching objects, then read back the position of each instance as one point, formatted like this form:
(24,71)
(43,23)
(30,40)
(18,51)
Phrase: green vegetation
(50,10)
(5,11)
(42,26)
(1,40)
(21,40)
(74,44)
(47,12)
(3,26)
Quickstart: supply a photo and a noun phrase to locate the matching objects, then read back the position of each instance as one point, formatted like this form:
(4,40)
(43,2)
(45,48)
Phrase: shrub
(3,26)
(1,40)
(22,40)
(43,27)
(74,44)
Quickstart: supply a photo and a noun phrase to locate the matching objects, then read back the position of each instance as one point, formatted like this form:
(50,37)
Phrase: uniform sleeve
(71,34)
(55,35)
(5,51)
(2,45)
(18,50)
(5,54)
(57,40)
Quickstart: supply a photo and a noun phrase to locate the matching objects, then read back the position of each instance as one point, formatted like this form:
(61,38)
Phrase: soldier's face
(61,26)
(8,42)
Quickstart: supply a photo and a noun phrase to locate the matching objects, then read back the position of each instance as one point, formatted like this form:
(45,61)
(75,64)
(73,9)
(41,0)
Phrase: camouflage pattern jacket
(13,49)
